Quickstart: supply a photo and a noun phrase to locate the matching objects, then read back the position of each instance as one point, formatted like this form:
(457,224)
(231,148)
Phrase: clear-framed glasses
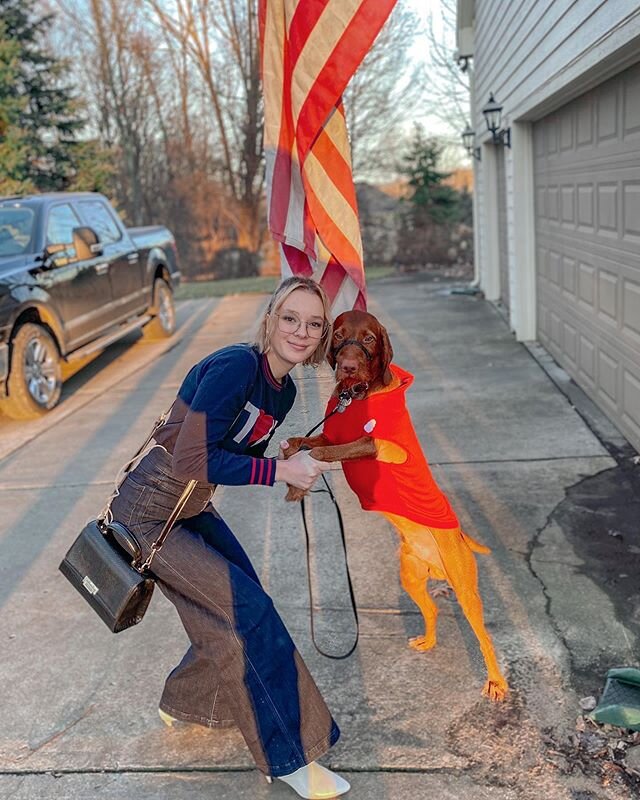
(290,323)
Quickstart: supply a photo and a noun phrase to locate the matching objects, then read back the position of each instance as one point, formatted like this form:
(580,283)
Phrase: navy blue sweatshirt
(227,410)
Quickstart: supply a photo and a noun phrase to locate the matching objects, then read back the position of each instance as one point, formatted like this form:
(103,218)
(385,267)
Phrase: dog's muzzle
(357,344)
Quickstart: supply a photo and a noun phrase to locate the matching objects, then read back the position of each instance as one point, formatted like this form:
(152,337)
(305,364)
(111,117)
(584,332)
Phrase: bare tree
(448,95)
(382,94)
(221,39)
(118,69)
(147,104)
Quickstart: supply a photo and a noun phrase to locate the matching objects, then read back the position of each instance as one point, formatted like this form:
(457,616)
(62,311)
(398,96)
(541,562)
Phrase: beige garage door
(587,173)
(503,248)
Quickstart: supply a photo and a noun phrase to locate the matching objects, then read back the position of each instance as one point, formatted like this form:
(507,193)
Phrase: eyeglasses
(290,323)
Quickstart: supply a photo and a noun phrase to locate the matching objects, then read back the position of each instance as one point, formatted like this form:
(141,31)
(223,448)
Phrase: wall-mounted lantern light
(493,115)
(469,142)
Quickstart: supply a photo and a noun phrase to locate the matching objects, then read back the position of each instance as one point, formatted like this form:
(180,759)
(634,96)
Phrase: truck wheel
(35,380)
(163,323)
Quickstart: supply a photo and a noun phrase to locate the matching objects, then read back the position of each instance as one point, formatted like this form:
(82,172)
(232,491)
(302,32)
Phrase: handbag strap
(105,515)
(166,529)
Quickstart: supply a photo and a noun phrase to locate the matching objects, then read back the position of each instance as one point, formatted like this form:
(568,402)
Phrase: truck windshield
(16,228)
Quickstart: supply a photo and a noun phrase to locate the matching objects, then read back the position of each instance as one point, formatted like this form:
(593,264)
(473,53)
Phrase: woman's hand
(301,470)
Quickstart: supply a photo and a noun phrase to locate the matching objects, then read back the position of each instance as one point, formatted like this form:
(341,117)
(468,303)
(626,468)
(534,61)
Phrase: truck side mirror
(52,256)
(52,250)
(86,243)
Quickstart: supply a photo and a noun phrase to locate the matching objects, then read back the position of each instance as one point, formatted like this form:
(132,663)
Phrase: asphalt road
(79,704)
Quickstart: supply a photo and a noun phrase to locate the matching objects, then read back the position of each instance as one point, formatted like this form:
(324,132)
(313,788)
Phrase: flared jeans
(242,667)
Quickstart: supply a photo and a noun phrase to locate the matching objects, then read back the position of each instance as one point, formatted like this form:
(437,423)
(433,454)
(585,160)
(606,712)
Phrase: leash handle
(349,583)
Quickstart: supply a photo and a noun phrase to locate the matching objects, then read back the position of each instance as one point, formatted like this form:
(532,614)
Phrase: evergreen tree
(39,119)
(431,198)
(431,215)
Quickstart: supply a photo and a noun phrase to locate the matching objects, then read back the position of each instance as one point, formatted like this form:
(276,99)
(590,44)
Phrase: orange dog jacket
(407,489)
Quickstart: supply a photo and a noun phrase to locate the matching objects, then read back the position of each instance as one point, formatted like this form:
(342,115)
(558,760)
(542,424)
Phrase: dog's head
(360,351)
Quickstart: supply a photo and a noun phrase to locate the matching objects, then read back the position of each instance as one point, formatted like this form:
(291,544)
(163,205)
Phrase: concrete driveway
(518,461)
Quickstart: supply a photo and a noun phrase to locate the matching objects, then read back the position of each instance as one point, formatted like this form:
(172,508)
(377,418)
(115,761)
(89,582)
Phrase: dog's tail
(476,547)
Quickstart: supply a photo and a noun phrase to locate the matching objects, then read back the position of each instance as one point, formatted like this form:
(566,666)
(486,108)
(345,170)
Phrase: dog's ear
(386,354)
(330,353)
(330,356)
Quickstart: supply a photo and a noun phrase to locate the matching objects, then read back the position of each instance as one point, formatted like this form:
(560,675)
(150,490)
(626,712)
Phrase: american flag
(310,50)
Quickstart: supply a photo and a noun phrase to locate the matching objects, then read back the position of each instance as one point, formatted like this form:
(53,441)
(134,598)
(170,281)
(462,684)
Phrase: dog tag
(369,426)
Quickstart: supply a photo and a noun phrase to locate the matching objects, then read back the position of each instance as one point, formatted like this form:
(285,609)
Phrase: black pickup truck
(73,279)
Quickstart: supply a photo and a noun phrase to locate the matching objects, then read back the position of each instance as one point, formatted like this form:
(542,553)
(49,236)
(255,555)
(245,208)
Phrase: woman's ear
(386,354)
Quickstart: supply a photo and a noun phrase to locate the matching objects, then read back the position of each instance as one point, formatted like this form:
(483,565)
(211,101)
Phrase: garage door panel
(568,206)
(570,344)
(631,107)
(631,211)
(607,206)
(586,285)
(608,377)
(566,132)
(584,122)
(631,309)
(587,359)
(607,113)
(631,402)
(586,219)
(608,295)
(569,276)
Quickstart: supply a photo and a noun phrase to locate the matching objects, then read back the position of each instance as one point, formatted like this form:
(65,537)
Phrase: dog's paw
(294,443)
(422,643)
(495,689)
(294,495)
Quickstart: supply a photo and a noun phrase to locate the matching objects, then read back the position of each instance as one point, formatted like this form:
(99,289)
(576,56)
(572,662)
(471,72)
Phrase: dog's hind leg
(413,578)
(462,573)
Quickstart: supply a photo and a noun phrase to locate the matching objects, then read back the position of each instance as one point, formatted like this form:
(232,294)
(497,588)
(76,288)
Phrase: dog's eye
(369,339)
(338,336)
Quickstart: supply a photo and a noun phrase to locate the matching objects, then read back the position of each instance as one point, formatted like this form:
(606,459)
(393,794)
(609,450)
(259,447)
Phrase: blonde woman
(242,667)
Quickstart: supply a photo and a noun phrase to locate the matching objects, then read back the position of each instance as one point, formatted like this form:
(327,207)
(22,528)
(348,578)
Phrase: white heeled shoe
(314,782)
(167,718)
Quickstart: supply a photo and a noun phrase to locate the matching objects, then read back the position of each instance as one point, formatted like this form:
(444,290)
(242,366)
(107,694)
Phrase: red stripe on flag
(304,20)
(328,154)
(298,261)
(262,21)
(281,187)
(332,280)
(338,69)
(334,239)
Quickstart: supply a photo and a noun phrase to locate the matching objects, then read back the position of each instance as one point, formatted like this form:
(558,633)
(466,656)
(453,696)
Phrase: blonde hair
(267,323)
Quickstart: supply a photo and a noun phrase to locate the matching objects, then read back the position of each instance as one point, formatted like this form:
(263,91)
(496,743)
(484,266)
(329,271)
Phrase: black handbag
(105,563)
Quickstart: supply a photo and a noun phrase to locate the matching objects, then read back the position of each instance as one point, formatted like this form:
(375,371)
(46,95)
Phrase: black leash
(344,399)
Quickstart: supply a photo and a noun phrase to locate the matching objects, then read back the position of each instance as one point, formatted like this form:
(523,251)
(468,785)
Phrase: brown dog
(383,463)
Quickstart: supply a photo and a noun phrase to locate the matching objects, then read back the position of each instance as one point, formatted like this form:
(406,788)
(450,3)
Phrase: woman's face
(296,330)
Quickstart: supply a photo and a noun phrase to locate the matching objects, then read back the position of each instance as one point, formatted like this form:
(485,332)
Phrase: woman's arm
(218,395)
